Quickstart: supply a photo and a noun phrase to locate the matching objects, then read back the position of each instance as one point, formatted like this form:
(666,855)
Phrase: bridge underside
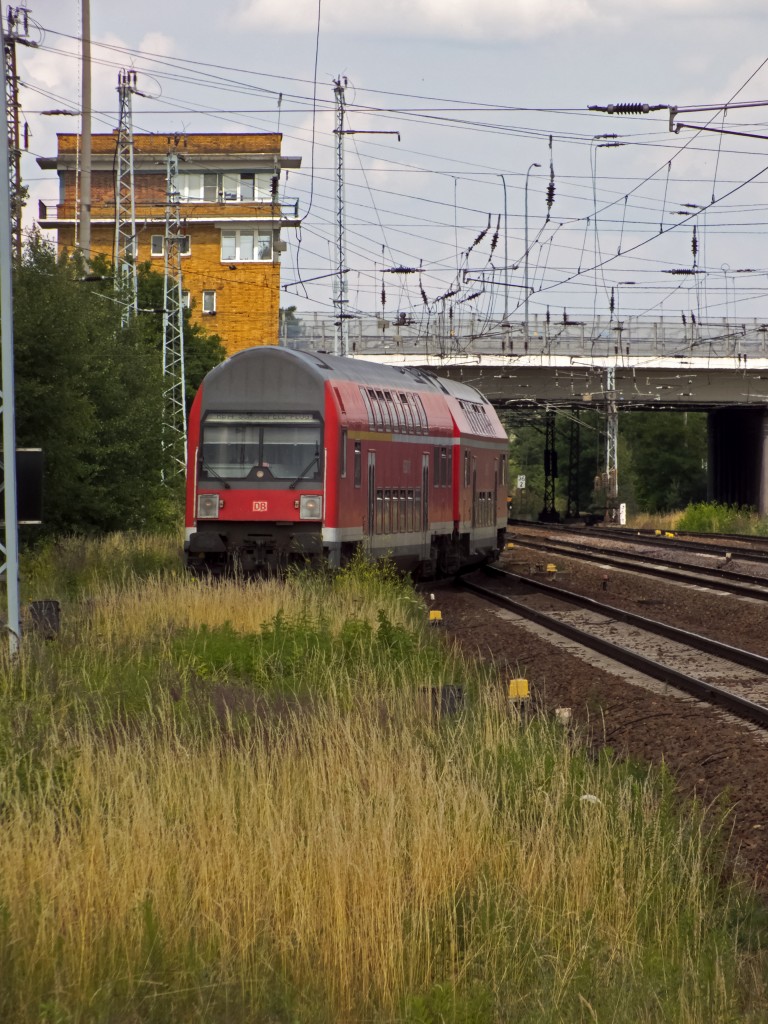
(738,457)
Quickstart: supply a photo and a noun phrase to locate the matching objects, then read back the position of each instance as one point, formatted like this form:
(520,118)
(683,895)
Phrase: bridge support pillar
(738,457)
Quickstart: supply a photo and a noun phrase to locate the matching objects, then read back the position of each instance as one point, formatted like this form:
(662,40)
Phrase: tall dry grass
(234,803)
(354,860)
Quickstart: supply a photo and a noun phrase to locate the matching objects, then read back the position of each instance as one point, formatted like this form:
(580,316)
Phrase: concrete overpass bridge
(717,366)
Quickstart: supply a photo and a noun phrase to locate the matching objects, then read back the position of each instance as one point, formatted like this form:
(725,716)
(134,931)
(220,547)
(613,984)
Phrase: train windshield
(261,446)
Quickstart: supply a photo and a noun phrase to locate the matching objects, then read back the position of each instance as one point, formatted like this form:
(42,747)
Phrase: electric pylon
(126,278)
(611,448)
(174,390)
(340,282)
(574,459)
(16,31)
(549,513)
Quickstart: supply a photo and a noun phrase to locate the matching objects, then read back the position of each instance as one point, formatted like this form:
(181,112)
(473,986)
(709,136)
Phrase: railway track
(638,635)
(748,549)
(716,578)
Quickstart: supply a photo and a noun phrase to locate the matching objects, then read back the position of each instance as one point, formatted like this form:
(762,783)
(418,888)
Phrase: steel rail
(646,537)
(741,584)
(748,659)
(698,688)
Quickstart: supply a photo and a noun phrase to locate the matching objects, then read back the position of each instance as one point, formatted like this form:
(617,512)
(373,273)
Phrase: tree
(668,458)
(89,393)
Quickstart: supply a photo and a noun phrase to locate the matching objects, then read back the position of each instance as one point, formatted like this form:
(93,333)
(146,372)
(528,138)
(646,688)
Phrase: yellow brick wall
(248,297)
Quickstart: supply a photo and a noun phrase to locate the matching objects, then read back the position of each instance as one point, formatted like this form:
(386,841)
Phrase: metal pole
(506,253)
(85,172)
(526,248)
(11,545)
(341,336)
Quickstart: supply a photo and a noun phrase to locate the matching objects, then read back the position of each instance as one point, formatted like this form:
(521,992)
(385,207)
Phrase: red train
(297,456)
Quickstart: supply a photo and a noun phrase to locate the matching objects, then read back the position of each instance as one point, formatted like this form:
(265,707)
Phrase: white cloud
(446,19)
(488,20)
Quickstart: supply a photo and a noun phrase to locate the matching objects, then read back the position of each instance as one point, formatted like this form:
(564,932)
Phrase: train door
(370,525)
(425,491)
(426,539)
(474,491)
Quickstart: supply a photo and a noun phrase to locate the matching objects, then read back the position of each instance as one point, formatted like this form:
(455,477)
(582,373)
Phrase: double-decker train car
(297,456)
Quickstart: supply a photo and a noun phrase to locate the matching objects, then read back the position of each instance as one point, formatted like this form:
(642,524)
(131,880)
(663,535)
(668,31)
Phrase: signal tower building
(233,211)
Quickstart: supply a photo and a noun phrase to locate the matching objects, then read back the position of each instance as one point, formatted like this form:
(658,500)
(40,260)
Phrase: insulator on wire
(627,108)
(424,298)
(693,318)
(495,239)
(694,243)
(612,303)
(550,194)
(482,234)
(548,318)
(383,295)
(685,322)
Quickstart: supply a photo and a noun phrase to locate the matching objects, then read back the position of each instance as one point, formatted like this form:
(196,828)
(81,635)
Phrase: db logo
(260,506)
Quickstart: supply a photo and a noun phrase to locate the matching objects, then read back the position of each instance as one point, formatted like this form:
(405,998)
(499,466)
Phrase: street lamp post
(506,253)
(526,249)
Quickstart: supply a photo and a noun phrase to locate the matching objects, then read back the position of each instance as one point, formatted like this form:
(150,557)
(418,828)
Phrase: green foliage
(715,517)
(72,566)
(90,393)
(669,452)
(662,458)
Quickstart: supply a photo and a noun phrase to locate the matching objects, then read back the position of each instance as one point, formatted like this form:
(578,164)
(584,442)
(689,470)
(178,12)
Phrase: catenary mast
(126,279)
(174,390)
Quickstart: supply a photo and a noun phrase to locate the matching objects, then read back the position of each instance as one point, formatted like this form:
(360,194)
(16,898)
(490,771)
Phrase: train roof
(324,367)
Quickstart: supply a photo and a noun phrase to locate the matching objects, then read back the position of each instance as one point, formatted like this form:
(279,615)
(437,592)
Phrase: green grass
(713,517)
(229,803)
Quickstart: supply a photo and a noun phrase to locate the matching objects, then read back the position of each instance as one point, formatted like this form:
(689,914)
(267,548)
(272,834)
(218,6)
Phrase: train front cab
(255,494)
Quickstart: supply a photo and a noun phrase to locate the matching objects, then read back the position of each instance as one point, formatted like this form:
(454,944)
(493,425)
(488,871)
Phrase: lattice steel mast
(126,278)
(174,390)
(611,447)
(16,31)
(341,340)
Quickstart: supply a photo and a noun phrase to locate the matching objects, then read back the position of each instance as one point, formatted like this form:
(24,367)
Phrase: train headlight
(311,506)
(207,506)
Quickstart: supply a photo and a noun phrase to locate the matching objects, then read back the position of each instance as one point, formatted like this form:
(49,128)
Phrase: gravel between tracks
(709,753)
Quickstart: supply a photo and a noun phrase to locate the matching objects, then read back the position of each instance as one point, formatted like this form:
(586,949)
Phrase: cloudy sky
(478,92)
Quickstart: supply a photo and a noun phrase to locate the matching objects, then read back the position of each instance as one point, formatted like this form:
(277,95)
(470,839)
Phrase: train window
(436,468)
(387,521)
(379,509)
(421,413)
(340,400)
(417,509)
(358,468)
(238,446)
(377,418)
(343,454)
(394,411)
(407,413)
(387,421)
(449,468)
(466,468)
(401,524)
(368,407)
(409,511)
(443,467)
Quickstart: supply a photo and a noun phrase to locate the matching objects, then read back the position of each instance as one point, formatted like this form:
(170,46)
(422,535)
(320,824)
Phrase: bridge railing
(595,338)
